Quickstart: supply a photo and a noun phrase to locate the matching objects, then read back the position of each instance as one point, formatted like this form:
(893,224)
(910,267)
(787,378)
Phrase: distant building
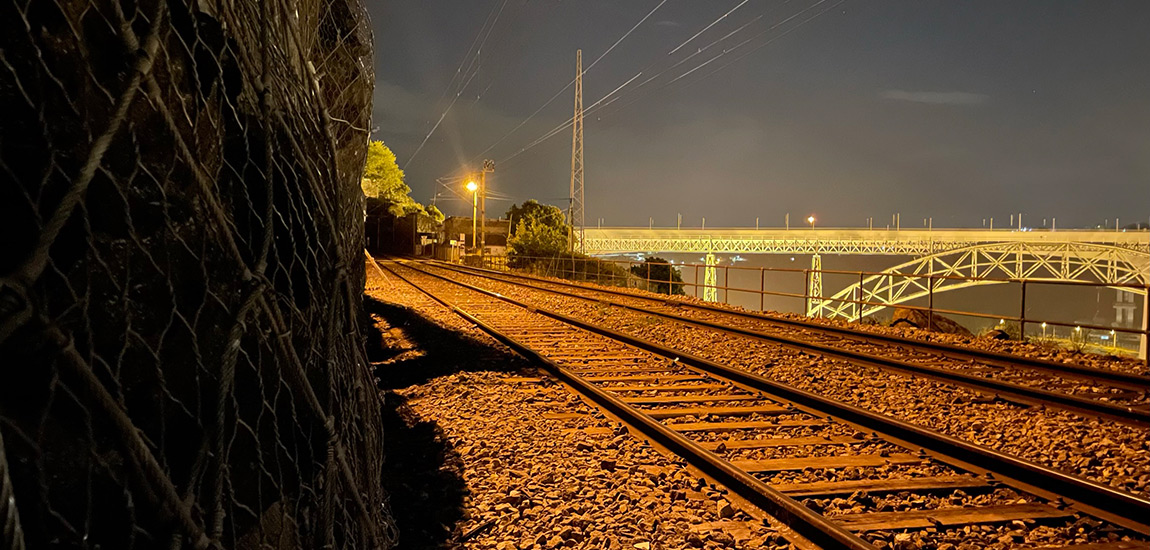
(456,227)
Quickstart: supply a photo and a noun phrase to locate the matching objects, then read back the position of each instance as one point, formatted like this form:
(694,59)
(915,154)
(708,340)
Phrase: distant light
(810,219)
(1002,321)
(1043,325)
(1077,329)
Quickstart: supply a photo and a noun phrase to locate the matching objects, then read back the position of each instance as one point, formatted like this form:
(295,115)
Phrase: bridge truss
(987,264)
(837,241)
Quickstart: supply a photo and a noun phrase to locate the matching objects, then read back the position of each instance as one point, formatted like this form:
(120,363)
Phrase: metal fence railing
(181,362)
(767,282)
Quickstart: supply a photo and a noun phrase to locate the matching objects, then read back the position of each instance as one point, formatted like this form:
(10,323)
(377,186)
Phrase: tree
(383,180)
(435,213)
(545,214)
(382,177)
(533,237)
(660,275)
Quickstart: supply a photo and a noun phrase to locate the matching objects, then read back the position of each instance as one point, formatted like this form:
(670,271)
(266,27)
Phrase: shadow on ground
(422,471)
(445,351)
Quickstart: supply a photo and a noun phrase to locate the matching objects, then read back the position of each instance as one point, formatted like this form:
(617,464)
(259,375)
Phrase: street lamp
(1044,329)
(473,187)
(811,220)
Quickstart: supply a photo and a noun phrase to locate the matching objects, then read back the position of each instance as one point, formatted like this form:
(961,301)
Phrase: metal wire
(179,281)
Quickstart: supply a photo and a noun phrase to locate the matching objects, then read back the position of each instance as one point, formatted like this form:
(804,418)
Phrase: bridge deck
(905,242)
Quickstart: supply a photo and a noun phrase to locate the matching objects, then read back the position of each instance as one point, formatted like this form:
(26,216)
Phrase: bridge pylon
(815,285)
(710,279)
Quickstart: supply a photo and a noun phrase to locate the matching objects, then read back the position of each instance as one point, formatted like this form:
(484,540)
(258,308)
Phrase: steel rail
(1007,390)
(1099,500)
(794,514)
(1117,378)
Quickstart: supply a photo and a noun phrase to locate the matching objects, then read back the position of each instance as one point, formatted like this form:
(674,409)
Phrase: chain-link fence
(180,357)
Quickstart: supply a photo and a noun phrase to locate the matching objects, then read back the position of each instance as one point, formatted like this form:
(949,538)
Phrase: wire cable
(460,90)
(713,23)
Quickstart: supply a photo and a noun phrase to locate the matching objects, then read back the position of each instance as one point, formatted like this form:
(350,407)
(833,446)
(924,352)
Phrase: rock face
(180,274)
(918,319)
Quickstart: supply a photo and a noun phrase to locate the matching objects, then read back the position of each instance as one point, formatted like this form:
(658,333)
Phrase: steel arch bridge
(987,264)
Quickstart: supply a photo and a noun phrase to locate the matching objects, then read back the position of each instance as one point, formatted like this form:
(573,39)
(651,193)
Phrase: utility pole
(575,209)
(488,166)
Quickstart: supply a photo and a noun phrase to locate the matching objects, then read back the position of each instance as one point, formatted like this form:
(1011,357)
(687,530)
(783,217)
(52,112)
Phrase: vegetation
(532,210)
(660,275)
(539,244)
(383,180)
(538,230)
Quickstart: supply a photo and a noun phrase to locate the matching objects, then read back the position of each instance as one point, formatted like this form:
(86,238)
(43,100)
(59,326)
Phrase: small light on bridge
(811,220)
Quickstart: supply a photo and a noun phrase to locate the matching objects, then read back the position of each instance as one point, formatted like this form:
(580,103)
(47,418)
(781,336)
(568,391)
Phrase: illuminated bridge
(943,259)
(852,241)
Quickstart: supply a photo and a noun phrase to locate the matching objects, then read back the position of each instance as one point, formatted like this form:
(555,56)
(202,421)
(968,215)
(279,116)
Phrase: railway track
(1111,394)
(840,476)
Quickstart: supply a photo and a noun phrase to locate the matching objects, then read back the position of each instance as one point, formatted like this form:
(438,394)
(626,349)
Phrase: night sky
(954,110)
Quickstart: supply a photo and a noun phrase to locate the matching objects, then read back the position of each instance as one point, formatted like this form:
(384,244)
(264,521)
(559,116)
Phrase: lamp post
(474,188)
(811,220)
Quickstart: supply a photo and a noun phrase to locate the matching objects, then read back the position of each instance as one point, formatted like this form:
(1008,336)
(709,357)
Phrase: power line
(569,84)
(459,91)
(625,35)
(600,104)
(567,124)
(713,23)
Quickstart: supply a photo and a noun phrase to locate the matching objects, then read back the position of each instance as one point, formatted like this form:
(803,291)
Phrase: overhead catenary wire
(746,53)
(569,84)
(600,103)
(713,23)
(458,72)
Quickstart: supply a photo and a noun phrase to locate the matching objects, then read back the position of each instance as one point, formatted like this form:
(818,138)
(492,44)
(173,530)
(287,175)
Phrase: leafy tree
(435,214)
(382,177)
(660,275)
(545,214)
(533,237)
(383,180)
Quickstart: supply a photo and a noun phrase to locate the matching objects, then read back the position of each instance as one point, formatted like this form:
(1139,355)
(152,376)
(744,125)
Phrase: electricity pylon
(575,208)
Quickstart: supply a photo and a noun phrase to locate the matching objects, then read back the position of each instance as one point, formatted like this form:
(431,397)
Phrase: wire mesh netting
(180,357)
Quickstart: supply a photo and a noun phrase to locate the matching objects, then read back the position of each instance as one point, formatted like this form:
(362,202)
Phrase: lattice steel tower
(575,208)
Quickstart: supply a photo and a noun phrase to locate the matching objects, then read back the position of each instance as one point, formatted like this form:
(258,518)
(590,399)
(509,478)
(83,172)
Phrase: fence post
(930,302)
(859,306)
(1022,314)
(727,284)
(806,292)
(648,275)
(696,280)
(762,288)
